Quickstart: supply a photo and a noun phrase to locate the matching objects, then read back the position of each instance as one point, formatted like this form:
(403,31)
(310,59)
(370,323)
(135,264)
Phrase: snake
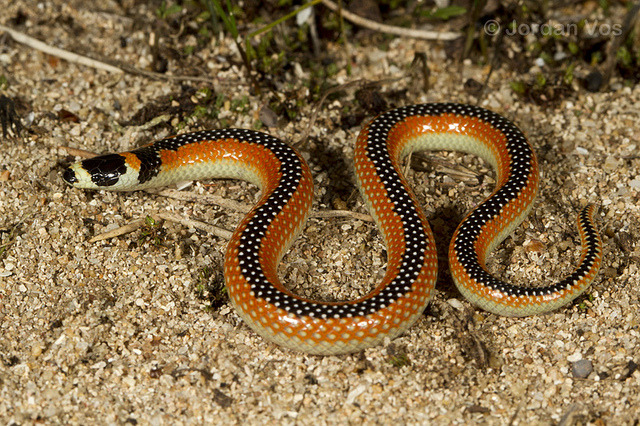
(264,235)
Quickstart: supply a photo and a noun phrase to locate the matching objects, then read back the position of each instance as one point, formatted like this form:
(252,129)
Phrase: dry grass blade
(390,29)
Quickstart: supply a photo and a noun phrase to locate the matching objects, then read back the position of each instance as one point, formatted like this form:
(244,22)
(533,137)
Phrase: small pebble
(582,368)
(593,81)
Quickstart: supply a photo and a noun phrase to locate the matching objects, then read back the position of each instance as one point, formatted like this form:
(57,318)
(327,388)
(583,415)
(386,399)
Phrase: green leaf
(518,87)
(164,11)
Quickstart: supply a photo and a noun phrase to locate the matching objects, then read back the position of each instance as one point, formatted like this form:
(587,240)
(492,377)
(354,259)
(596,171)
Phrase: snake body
(264,235)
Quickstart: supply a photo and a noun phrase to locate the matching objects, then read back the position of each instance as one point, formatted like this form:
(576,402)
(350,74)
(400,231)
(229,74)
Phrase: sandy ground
(122,331)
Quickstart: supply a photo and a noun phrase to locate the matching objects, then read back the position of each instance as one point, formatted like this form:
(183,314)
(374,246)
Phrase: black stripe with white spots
(252,236)
(415,236)
(521,157)
(593,249)
(520,169)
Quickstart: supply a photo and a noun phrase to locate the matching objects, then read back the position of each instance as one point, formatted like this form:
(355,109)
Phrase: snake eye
(105,170)
(69,176)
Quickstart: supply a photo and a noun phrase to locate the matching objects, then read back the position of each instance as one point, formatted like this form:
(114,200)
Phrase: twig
(60,53)
(390,29)
(210,199)
(207,199)
(76,152)
(137,223)
(407,165)
(94,63)
(125,229)
(192,223)
(327,214)
(211,229)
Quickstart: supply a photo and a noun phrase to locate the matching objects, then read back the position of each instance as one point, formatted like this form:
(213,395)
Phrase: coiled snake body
(264,235)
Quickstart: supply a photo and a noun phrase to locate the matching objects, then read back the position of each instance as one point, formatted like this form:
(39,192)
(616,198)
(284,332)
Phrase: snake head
(104,171)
